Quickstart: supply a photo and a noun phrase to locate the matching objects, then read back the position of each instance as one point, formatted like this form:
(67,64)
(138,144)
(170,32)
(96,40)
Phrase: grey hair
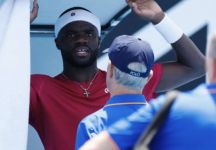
(131,82)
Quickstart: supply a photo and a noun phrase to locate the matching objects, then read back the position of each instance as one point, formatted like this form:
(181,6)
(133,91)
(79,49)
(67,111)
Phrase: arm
(190,61)
(34,11)
(211,59)
(190,65)
(211,47)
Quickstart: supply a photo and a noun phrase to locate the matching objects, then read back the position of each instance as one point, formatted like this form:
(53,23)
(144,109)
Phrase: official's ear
(110,70)
(150,75)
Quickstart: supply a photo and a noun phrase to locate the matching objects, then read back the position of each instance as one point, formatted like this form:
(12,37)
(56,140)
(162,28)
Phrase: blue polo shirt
(190,125)
(117,107)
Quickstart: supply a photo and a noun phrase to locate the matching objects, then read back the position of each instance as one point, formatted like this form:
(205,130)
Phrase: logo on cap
(136,74)
(73,14)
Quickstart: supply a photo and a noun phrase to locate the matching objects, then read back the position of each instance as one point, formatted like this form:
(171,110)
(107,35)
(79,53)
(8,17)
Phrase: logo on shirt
(106,90)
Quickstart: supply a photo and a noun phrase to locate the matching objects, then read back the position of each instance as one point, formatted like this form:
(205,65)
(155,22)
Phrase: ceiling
(105,10)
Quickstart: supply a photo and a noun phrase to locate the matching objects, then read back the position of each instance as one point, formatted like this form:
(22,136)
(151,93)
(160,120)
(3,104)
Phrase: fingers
(35,5)
(135,8)
(130,2)
(214,37)
(35,2)
(133,5)
(211,47)
(34,11)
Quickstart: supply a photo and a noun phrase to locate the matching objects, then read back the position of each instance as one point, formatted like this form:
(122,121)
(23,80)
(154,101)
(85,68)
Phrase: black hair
(74,8)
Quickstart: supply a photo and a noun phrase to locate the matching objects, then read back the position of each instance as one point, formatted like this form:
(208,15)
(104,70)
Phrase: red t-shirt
(58,104)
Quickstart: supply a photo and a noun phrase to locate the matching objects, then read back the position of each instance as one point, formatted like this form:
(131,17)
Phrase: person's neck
(119,90)
(80,74)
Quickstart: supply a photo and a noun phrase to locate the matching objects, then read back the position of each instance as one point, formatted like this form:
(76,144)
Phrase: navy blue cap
(128,49)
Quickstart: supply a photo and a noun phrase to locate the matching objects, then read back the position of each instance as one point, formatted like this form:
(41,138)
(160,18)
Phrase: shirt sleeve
(149,90)
(86,130)
(36,83)
(81,136)
(127,131)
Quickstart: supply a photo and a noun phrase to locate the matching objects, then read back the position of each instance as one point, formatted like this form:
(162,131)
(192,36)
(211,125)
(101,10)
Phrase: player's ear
(57,42)
(99,42)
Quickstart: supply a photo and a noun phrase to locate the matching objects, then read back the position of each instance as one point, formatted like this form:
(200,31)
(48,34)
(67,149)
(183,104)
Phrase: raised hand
(34,11)
(211,48)
(147,9)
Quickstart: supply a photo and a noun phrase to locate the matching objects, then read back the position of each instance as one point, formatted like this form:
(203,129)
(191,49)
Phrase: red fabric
(149,90)
(58,104)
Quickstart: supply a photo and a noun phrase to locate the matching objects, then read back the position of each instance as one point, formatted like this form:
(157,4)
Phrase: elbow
(201,72)
(200,69)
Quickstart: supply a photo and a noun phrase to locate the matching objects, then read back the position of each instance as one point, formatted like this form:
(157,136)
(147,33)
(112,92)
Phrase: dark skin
(34,11)
(79,43)
(190,62)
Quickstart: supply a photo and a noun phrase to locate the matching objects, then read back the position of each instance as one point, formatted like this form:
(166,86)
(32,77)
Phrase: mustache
(77,45)
(81,45)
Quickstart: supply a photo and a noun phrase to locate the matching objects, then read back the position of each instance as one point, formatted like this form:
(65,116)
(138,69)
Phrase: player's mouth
(82,51)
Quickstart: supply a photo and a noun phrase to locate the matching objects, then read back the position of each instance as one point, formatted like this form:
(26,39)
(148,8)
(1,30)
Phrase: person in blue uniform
(190,124)
(129,70)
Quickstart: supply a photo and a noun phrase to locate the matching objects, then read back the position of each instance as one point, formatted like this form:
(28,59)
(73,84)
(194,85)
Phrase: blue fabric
(98,121)
(191,123)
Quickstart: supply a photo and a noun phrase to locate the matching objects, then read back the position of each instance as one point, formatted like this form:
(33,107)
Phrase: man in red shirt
(59,103)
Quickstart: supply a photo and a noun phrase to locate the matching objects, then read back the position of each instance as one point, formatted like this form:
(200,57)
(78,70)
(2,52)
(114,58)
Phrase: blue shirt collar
(126,98)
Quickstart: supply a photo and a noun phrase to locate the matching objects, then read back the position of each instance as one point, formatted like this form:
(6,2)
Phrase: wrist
(169,30)
(158,18)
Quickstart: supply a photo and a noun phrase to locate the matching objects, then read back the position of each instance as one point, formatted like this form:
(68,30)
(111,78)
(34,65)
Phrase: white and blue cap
(77,15)
(128,49)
